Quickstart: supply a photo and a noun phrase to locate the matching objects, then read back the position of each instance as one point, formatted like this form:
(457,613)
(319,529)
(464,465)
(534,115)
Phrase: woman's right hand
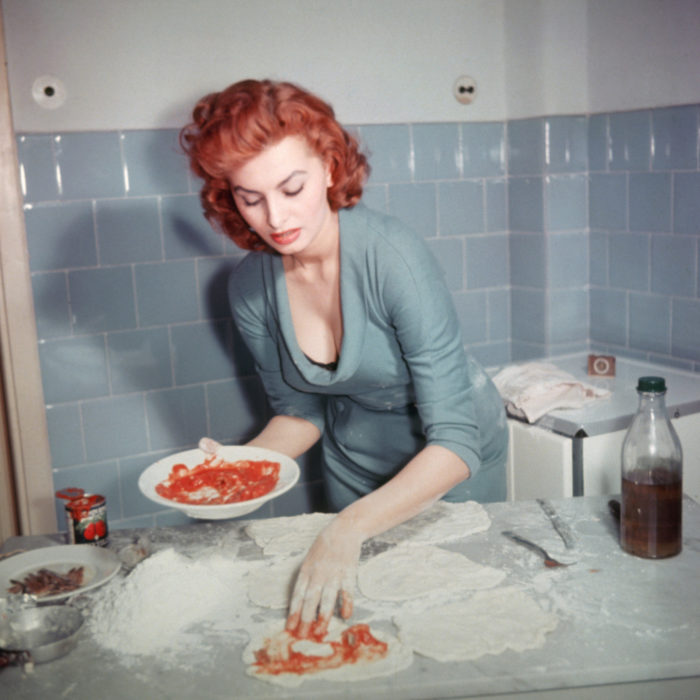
(327,576)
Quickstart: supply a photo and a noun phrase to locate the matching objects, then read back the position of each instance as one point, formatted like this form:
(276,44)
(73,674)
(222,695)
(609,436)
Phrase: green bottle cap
(655,385)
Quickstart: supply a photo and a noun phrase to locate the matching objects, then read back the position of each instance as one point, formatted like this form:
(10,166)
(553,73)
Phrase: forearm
(288,435)
(422,482)
(329,568)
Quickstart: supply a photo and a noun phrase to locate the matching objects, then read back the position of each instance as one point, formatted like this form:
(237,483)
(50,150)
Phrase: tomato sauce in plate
(215,482)
(355,644)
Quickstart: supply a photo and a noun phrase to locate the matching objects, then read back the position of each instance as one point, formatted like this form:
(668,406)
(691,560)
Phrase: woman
(351,326)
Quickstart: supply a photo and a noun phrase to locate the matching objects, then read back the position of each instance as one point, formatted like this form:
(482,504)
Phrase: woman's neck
(320,258)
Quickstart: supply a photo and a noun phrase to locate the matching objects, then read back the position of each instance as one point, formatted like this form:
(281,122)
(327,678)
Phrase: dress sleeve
(256,324)
(422,311)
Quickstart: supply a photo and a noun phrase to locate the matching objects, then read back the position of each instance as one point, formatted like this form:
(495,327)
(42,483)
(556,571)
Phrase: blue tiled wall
(548,223)
(555,234)
(644,203)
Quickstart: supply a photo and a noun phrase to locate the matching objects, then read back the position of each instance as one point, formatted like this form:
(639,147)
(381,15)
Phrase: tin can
(86,517)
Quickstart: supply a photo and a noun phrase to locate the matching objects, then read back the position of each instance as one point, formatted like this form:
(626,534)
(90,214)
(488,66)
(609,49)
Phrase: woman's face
(282,195)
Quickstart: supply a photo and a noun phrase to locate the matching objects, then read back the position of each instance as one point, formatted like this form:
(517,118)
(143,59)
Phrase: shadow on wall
(309,495)
(139,354)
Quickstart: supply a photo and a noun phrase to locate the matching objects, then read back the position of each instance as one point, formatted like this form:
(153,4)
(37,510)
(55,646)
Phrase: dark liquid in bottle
(651,513)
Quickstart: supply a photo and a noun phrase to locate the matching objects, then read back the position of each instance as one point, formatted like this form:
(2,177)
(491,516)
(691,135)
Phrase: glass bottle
(652,478)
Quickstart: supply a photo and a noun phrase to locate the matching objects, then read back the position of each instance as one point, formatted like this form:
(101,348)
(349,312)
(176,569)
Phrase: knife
(563,530)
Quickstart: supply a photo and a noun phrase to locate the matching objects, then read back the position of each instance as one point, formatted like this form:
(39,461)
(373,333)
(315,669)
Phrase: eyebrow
(238,188)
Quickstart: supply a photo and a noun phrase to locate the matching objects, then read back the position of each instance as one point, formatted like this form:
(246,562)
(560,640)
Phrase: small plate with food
(55,573)
(234,481)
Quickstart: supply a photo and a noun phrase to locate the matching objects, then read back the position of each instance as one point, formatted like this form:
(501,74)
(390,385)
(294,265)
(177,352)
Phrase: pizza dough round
(442,522)
(410,572)
(288,534)
(275,636)
(271,584)
(487,623)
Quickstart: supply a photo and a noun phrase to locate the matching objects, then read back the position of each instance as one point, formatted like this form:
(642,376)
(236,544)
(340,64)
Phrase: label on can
(86,517)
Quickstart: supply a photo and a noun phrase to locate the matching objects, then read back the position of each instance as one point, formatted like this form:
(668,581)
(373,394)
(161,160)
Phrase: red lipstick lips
(286,237)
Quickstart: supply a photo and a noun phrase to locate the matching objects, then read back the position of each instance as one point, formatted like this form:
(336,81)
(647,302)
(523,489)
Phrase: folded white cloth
(530,390)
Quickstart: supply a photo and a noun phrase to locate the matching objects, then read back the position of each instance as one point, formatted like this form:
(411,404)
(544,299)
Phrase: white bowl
(159,471)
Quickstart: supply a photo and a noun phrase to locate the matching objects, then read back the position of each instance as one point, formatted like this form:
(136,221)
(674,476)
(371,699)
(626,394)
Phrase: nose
(276,213)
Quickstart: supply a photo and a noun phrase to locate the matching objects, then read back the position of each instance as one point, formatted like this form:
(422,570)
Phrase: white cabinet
(540,463)
(577,452)
(543,464)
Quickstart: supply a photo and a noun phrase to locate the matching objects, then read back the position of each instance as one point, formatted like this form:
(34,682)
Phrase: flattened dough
(443,522)
(409,572)
(289,534)
(487,623)
(270,585)
(398,657)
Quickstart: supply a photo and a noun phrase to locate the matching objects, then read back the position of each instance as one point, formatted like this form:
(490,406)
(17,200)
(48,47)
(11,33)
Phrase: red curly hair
(232,126)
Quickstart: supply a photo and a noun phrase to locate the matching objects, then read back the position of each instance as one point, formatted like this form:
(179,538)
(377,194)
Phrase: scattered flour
(271,584)
(178,611)
(159,609)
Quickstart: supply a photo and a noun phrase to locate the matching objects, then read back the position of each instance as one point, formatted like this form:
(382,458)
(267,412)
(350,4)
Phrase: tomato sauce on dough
(355,644)
(216,482)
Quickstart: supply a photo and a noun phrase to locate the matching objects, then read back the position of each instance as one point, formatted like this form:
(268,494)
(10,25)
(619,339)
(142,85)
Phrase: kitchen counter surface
(628,627)
(616,412)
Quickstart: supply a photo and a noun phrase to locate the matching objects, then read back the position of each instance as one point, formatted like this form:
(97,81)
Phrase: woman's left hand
(327,574)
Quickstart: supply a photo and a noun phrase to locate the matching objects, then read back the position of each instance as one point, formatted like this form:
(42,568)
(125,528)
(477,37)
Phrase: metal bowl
(47,632)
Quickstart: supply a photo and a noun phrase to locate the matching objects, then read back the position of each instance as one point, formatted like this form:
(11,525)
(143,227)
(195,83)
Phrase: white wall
(143,63)
(643,53)
(545,55)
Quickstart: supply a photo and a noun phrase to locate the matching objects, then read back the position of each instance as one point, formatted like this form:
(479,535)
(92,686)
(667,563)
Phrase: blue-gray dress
(403,379)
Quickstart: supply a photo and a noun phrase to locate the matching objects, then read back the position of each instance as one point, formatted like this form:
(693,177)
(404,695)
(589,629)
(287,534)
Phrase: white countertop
(616,413)
(623,621)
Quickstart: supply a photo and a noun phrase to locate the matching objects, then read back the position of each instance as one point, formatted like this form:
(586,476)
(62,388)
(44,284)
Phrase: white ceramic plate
(157,472)
(99,565)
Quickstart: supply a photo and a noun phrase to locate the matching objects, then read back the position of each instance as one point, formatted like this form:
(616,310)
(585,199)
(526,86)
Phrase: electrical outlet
(465,89)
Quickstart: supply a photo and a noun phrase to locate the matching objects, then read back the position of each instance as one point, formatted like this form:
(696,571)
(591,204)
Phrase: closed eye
(295,192)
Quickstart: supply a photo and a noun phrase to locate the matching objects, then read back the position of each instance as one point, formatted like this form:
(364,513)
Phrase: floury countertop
(628,627)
